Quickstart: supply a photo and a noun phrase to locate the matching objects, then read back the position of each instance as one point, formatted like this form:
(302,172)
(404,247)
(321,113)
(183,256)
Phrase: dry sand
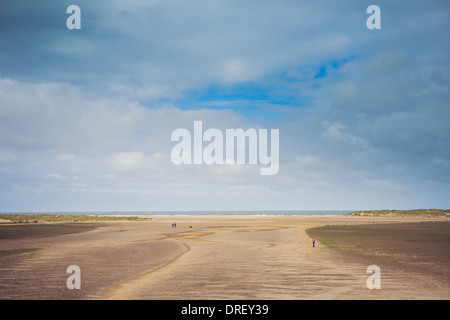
(204,258)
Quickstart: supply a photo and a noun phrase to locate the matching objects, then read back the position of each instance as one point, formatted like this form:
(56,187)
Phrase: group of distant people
(174,224)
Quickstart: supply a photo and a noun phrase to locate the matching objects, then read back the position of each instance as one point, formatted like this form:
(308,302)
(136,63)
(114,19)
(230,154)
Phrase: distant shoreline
(135,215)
(145,215)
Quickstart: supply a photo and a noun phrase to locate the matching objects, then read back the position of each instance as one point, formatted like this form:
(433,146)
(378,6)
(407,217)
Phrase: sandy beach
(212,257)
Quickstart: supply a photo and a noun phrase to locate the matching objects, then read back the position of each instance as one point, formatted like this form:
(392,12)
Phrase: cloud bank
(86,115)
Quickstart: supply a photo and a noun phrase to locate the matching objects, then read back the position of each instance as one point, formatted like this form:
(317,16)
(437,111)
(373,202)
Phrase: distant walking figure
(314,242)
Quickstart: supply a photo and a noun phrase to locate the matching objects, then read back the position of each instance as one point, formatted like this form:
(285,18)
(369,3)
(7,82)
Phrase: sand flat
(204,257)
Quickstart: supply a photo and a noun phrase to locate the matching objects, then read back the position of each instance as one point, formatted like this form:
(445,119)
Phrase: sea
(200,213)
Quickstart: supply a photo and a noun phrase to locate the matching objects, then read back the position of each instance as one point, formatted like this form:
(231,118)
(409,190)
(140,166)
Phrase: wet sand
(208,258)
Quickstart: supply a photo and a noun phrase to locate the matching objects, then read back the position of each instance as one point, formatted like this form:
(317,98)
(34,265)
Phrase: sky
(86,115)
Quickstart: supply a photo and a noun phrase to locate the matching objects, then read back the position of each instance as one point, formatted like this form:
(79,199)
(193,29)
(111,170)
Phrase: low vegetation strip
(44,217)
(402,213)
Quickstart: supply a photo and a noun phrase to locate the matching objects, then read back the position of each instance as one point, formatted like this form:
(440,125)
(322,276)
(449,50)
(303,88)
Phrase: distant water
(202,213)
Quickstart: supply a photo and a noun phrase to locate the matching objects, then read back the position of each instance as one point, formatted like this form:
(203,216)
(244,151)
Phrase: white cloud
(65,157)
(59,176)
(386,185)
(7,157)
(340,132)
(87,119)
(128,161)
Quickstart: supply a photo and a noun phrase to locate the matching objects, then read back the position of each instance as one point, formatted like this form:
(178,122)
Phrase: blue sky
(86,115)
